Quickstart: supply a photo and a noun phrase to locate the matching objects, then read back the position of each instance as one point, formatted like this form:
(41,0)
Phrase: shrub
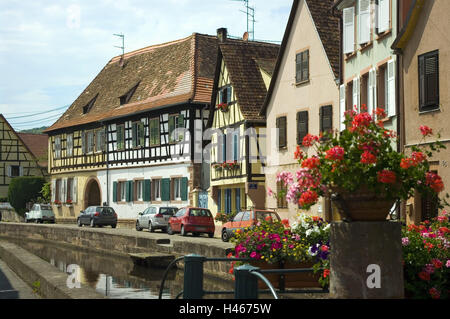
(23,190)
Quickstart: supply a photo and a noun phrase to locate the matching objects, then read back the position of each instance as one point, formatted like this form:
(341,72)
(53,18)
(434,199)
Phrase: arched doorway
(92,194)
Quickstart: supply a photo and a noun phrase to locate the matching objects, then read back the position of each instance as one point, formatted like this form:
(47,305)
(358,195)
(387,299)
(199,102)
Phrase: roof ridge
(150,47)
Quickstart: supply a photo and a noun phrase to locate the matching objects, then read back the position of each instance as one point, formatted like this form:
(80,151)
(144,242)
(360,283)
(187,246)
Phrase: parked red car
(192,220)
(246,219)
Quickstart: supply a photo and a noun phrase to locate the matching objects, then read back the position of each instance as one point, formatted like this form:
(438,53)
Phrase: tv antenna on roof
(250,12)
(123,43)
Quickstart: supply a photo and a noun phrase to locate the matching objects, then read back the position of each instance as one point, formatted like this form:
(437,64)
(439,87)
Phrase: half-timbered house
(17,157)
(243,74)
(126,140)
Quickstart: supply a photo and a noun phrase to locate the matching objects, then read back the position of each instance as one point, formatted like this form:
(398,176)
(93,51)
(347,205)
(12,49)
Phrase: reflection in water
(113,276)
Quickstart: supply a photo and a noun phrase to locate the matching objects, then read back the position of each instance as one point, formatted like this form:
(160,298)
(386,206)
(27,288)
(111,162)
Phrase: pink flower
(447,264)
(255,255)
(426,131)
(269,192)
(405,241)
(324,248)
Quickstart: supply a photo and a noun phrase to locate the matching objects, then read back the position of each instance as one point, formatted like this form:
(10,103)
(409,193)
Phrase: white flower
(308,232)
(327,227)
(311,253)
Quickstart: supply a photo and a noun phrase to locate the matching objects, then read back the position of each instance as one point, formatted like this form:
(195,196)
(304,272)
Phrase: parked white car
(40,213)
(154,218)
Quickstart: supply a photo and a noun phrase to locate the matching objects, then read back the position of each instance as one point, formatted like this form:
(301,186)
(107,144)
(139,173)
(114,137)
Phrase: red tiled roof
(37,144)
(169,73)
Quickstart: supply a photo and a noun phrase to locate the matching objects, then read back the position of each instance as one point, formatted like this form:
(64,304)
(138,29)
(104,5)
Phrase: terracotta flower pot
(362,204)
(291,280)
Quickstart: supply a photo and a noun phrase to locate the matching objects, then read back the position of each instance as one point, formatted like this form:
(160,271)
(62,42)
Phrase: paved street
(12,287)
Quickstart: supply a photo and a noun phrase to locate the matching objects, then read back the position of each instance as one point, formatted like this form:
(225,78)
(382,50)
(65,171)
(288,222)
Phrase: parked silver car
(40,213)
(154,218)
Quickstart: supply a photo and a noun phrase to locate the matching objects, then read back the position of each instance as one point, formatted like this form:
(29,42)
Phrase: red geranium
(387,177)
(311,163)
(424,276)
(308,198)
(434,181)
(309,140)
(336,153)
(368,158)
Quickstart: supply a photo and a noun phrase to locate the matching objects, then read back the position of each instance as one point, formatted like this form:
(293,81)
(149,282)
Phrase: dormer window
(87,108)
(125,99)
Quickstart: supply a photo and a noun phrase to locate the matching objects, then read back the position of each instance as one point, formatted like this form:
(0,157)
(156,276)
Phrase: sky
(51,50)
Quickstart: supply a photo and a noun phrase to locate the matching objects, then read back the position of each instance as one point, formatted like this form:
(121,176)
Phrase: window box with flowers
(69,203)
(224,107)
(277,245)
(359,170)
(230,165)
(57,203)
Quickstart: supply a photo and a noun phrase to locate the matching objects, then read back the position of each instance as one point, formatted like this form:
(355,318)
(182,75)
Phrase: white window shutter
(391,88)
(20,170)
(64,190)
(364,21)
(342,106)
(356,94)
(74,189)
(349,30)
(383,15)
(372,91)
(9,171)
(53,190)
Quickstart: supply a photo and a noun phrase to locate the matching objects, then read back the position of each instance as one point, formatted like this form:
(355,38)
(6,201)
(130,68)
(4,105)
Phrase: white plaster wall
(131,210)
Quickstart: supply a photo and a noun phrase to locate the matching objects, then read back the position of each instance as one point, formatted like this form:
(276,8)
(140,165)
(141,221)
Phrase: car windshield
(262,216)
(200,213)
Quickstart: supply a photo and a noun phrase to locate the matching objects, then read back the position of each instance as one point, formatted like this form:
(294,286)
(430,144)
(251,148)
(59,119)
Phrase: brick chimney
(222,34)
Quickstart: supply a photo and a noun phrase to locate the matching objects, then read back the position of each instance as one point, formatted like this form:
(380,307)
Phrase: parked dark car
(246,219)
(98,216)
(192,220)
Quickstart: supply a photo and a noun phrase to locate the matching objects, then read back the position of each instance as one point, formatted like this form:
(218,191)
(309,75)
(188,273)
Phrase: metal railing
(246,279)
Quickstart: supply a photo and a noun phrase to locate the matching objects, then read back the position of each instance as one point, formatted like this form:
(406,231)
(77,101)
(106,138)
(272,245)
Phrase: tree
(23,190)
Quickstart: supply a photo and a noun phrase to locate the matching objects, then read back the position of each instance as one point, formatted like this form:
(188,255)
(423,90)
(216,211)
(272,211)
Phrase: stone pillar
(366,260)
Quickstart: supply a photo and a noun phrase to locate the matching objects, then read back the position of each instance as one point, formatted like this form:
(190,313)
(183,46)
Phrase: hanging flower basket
(362,204)
(231,165)
(361,171)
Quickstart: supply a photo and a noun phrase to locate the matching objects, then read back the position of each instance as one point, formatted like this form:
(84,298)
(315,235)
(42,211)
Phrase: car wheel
(92,223)
(150,227)
(210,235)
(225,236)
(113,225)
(196,234)
(169,230)
(79,223)
(138,228)
(182,231)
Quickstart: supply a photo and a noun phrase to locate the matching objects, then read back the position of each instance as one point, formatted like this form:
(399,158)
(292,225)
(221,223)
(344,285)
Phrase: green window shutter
(184,189)
(147,190)
(141,134)
(129,189)
(165,189)
(171,127)
(115,192)
(135,134)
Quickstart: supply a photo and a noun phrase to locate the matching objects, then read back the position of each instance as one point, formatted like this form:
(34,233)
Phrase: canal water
(114,276)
